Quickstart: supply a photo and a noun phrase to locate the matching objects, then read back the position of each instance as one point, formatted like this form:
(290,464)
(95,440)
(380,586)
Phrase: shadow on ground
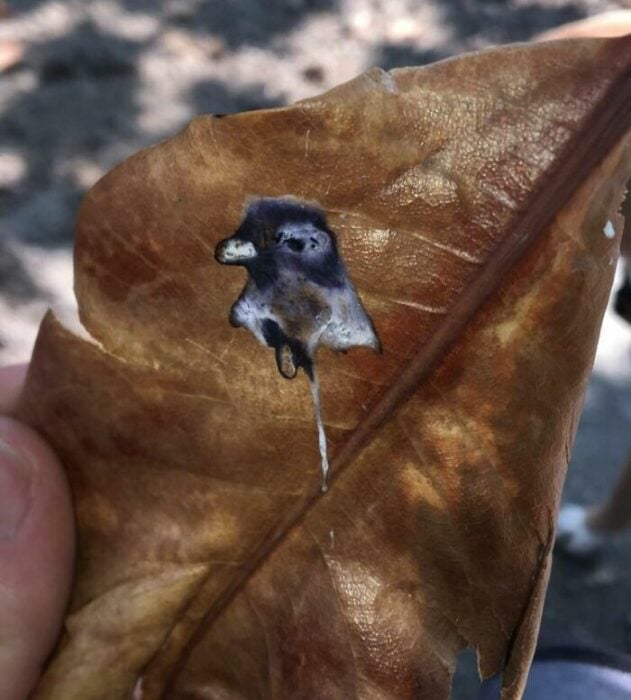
(590,599)
(474,24)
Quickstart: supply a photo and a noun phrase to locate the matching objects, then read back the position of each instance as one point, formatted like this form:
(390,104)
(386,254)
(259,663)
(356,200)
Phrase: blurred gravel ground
(85,83)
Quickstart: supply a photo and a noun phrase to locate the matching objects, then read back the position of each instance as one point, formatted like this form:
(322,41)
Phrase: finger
(608,24)
(36,553)
(11,382)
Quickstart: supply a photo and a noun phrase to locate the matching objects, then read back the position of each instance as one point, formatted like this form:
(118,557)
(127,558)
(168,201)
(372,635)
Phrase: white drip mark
(307,143)
(314,385)
(609,230)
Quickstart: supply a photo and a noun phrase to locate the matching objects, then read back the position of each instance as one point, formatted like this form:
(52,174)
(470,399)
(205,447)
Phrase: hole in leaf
(466,681)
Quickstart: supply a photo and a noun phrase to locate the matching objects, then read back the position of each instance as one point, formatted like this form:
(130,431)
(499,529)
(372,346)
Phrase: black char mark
(298,292)
(263,218)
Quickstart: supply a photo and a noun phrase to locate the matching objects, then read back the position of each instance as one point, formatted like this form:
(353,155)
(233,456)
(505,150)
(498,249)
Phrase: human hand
(36,546)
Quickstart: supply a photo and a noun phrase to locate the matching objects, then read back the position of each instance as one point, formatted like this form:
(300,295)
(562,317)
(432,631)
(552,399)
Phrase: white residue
(609,230)
(347,325)
(314,385)
(235,250)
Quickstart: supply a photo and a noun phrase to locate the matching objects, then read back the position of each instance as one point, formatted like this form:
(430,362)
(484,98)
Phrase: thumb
(36,554)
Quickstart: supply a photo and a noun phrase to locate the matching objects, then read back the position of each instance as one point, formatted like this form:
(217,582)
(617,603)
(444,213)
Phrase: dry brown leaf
(469,199)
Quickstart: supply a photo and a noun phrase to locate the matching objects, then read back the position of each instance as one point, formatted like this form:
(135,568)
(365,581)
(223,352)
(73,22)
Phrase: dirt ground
(84,83)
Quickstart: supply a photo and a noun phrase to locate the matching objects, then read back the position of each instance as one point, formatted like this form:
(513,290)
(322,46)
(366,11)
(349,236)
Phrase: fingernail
(15,491)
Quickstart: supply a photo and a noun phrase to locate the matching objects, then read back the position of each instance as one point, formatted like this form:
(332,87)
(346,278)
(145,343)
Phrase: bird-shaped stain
(298,294)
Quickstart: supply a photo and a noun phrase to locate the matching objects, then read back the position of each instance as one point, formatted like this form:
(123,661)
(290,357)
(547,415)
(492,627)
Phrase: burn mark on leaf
(298,294)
